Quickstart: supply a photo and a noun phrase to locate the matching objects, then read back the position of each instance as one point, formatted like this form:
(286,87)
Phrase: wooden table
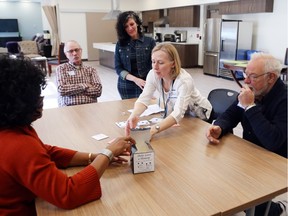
(192,177)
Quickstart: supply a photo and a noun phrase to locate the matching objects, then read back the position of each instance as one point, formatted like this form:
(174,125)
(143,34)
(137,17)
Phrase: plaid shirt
(77,84)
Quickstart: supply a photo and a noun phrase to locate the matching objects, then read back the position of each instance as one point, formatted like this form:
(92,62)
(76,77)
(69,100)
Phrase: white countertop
(109,46)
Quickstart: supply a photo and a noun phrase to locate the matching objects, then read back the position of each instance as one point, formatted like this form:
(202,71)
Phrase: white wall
(28,15)
(75,29)
(270,30)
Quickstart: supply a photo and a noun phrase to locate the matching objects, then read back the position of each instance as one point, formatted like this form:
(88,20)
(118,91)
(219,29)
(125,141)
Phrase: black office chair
(284,70)
(13,47)
(220,100)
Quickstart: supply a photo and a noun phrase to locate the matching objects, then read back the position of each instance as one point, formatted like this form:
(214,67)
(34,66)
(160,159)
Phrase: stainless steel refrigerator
(225,39)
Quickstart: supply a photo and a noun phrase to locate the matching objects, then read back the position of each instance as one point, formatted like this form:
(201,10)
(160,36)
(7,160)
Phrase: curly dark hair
(122,19)
(20,89)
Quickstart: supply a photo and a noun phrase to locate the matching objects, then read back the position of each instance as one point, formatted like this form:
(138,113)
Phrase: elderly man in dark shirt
(261,108)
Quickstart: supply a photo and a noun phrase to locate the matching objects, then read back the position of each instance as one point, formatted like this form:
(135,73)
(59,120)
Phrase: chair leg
(49,70)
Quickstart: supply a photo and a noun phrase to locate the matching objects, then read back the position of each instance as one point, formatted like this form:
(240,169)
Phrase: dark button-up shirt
(264,124)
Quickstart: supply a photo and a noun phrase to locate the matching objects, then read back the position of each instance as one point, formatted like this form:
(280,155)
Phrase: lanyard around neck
(165,103)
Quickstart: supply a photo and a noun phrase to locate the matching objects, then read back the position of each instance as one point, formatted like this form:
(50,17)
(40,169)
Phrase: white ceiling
(20,0)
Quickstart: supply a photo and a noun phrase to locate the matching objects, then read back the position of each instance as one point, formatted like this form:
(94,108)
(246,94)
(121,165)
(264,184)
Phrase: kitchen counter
(106,53)
(109,46)
(188,53)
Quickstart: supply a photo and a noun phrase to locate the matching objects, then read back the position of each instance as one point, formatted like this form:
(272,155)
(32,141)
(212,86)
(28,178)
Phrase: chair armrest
(52,58)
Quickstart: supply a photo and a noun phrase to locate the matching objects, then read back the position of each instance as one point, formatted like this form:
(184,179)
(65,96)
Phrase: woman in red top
(29,168)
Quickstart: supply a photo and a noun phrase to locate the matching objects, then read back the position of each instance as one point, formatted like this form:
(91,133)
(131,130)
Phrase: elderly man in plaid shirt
(77,83)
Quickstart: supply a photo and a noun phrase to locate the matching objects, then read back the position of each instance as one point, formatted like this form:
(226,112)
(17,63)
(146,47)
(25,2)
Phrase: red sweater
(29,168)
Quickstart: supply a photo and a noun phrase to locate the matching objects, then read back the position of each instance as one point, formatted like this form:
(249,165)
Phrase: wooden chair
(60,59)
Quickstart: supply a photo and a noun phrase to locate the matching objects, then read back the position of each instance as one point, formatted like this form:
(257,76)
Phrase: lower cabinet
(106,58)
(188,54)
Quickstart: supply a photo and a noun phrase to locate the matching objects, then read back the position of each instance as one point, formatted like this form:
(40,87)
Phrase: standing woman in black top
(132,55)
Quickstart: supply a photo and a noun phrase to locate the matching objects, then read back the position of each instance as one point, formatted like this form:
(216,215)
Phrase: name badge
(71,73)
(173,94)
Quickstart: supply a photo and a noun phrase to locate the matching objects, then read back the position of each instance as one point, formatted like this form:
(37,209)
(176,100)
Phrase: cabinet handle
(222,45)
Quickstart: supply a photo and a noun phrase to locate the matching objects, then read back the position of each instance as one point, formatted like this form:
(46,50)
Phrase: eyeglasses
(73,50)
(253,77)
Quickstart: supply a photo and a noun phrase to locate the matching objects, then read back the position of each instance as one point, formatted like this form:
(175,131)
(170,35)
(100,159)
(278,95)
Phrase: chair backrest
(284,70)
(13,47)
(61,53)
(286,57)
(220,100)
(28,47)
(60,58)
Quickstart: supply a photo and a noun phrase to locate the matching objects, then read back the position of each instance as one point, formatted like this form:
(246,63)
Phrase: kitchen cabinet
(188,54)
(151,16)
(184,16)
(246,6)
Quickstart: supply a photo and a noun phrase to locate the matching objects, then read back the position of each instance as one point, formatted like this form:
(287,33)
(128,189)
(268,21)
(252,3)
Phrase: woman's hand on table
(130,124)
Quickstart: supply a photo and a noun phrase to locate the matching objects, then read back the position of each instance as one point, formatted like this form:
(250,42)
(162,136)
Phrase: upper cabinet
(151,16)
(246,6)
(184,16)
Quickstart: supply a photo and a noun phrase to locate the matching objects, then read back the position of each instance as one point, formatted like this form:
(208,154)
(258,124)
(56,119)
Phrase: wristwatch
(157,127)
(107,153)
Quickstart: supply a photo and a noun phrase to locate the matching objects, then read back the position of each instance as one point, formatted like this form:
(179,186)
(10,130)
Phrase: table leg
(44,63)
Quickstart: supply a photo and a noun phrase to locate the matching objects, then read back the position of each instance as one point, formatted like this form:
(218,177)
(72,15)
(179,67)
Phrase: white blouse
(182,97)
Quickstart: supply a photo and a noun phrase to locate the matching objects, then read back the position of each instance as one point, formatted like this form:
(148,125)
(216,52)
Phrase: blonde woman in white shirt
(177,92)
